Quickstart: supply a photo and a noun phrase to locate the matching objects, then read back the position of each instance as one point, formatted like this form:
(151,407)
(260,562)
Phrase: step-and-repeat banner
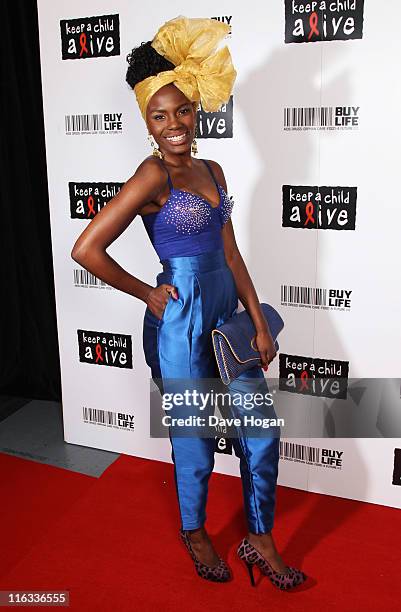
(309,145)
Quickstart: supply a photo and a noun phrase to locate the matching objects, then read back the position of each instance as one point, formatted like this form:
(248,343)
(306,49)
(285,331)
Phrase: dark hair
(145,61)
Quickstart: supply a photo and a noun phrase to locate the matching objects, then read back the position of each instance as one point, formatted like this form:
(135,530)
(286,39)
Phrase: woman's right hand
(158,297)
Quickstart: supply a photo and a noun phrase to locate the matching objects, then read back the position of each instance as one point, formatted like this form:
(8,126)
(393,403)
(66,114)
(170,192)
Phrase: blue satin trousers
(179,346)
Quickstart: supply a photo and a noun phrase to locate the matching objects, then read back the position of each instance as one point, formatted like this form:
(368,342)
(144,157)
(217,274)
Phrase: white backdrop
(95,134)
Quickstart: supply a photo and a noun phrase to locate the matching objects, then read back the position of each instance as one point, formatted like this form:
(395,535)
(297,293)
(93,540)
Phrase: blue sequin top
(187,224)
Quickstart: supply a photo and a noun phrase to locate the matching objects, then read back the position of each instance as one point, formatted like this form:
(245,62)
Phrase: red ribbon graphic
(82,42)
(313,21)
(304,380)
(91,202)
(99,353)
(309,213)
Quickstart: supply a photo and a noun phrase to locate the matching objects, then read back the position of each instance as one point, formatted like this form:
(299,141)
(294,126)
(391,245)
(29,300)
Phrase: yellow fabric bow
(199,73)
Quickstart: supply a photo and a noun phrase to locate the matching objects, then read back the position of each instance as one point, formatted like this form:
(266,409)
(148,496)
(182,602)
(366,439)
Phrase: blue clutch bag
(233,342)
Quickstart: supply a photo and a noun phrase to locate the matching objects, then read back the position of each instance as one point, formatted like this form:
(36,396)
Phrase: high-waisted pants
(179,346)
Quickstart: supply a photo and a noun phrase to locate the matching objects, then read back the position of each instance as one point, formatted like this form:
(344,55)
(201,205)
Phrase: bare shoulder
(148,180)
(151,169)
(218,173)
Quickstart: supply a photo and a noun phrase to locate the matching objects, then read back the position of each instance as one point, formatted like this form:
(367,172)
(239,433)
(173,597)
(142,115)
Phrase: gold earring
(156,151)
(194,145)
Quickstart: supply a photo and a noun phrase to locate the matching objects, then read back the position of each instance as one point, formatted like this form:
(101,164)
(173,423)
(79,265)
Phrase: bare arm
(245,288)
(90,248)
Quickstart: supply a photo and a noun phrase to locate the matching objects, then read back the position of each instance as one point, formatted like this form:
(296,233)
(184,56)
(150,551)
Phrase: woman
(186,211)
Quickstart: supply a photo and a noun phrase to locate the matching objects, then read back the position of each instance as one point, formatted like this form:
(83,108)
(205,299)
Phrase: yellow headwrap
(202,76)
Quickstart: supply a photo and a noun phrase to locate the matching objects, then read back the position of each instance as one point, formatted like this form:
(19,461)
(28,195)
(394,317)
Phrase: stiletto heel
(250,570)
(291,578)
(220,573)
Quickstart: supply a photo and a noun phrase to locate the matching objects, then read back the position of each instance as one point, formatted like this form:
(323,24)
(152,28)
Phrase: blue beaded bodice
(187,224)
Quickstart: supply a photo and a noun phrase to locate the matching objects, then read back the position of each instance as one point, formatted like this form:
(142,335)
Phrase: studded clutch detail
(233,342)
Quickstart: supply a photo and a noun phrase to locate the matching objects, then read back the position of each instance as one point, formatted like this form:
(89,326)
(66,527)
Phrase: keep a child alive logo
(397,467)
(313,376)
(313,207)
(320,21)
(105,348)
(87,199)
(217,124)
(86,37)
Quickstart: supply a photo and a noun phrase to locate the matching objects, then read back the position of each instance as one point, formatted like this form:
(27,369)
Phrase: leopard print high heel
(250,556)
(220,573)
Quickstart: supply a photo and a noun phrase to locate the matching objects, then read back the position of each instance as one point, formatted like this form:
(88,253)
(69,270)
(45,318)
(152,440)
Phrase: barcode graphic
(94,415)
(300,452)
(315,116)
(293,294)
(84,278)
(84,123)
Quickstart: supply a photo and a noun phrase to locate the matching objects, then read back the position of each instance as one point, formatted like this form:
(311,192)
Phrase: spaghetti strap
(211,172)
(170,183)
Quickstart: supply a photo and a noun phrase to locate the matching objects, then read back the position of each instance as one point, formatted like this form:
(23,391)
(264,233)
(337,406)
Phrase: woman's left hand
(265,345)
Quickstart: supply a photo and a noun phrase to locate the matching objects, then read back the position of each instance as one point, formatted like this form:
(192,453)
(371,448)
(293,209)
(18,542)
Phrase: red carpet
(112,543)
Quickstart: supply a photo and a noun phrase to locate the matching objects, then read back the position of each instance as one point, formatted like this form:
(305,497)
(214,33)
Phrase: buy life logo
(332,458)
(346,116)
